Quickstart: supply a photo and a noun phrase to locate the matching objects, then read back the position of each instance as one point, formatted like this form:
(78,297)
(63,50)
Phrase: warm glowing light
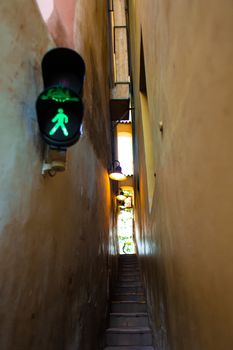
(117,176)
(116,173)
(121,196)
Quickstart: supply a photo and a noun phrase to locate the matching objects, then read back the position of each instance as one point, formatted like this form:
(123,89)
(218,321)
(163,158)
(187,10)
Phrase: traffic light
(59,106)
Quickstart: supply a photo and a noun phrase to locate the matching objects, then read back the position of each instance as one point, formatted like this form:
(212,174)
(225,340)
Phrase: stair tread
(128,302)
(132,287)
(132,283)
(129,314)
(129,347)
(128,330)
(128,293)
(129,282)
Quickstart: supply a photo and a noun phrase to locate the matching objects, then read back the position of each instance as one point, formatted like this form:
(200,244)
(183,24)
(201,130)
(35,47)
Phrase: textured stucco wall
(54,232)
(185,243)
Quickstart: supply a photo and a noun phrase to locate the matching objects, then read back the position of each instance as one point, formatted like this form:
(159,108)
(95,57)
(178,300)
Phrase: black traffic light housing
(59,106)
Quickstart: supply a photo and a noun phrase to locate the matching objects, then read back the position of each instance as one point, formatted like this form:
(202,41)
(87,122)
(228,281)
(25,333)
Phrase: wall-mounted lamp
(121,196)
(116,171)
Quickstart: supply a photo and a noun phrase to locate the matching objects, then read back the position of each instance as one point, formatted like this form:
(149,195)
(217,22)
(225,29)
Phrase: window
(125,148)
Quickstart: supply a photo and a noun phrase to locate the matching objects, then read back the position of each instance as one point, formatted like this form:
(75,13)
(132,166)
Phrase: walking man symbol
(60,119)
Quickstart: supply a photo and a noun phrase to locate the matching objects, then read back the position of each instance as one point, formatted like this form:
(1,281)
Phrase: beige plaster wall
(54,232)
(185,243)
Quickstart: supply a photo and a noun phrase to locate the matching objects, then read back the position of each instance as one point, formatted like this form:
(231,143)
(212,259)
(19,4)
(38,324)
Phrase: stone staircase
(128,322)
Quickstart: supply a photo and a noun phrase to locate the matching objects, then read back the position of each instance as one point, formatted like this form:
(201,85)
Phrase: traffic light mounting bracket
(54,161)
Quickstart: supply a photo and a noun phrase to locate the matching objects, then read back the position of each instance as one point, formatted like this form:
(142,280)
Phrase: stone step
(129,348)
(127,256)
(129,276)
(129,279)
(129,296)
(129,284)
(124,291)
(128,263)
(129,336)
(128,306)
(129,271)
(128,289)
(139,319)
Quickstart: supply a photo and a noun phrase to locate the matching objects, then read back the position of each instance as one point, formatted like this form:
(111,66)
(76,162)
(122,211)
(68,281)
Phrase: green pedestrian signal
(59,107)
(60,118)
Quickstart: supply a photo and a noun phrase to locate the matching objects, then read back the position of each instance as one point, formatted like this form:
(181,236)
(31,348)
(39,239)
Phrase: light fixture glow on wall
(116,172)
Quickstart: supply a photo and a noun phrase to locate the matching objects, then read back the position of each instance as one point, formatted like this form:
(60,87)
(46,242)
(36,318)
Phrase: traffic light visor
(64,67)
